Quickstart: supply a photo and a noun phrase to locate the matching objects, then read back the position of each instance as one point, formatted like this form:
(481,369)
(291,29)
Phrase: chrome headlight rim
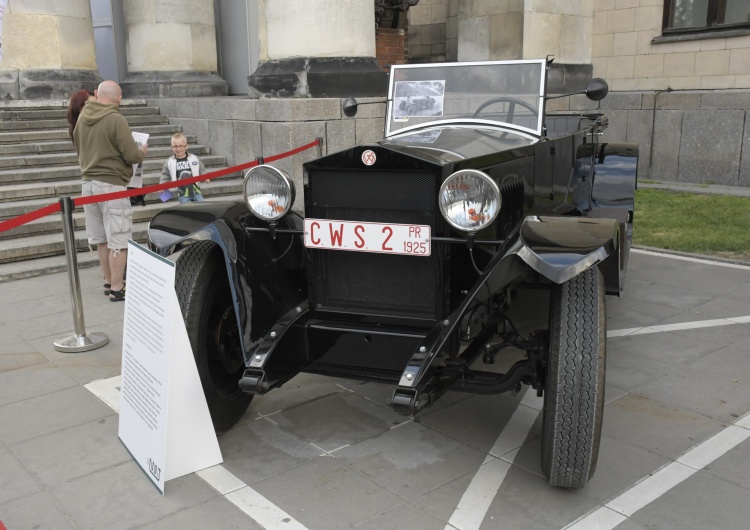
(283,178)
(485,178)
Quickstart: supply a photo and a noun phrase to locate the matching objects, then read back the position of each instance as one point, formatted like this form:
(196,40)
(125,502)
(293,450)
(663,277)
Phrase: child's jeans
(198,197)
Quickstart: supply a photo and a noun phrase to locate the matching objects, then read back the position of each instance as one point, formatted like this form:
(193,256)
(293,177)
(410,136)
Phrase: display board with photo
(418,98)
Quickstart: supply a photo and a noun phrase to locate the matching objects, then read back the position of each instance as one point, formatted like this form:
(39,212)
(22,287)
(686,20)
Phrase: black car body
(413,253)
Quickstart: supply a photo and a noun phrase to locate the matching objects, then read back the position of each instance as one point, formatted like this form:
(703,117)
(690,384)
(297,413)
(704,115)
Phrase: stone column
(171,49)
(317,48)
(530,29)
(48,49)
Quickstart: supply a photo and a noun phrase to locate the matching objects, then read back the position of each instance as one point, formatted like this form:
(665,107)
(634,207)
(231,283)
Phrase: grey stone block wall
(242,129)
(697,136)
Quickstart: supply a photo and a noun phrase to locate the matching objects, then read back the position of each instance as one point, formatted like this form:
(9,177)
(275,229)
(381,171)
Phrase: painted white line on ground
(704,261)
(108,390)
(478,497)
(651,488)
(262,511)
(252,503)
(695,324)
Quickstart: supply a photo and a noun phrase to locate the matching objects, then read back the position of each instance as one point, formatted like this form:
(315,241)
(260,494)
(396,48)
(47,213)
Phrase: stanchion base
(81,343)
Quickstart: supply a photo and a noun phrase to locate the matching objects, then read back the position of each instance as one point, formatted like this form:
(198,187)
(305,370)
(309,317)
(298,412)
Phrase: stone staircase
(38,165)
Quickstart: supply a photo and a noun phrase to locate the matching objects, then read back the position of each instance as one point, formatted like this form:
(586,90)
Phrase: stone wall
(243,129)
(700,136)
(695,136)
(628,50)
(427,31)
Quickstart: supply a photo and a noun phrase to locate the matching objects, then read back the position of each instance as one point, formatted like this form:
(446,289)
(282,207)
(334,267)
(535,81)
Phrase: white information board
(164,419)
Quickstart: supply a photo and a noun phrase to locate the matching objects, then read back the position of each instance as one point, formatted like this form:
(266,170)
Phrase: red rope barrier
(28,217)
(9,224)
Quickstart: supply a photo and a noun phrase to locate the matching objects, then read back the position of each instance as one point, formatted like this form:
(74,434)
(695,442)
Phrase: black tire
(205,299)
(412,110)
(574,387)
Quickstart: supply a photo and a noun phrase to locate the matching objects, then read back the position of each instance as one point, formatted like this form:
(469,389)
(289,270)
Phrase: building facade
(678,70)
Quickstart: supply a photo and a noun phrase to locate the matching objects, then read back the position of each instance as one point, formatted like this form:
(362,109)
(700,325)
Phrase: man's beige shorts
(109,222)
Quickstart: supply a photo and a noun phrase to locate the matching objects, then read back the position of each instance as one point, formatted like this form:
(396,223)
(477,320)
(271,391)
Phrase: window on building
(681,16)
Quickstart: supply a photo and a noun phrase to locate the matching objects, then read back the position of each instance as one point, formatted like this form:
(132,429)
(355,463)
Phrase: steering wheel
(511,108)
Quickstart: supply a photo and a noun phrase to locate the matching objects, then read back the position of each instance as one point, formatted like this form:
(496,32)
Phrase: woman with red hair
(77,100)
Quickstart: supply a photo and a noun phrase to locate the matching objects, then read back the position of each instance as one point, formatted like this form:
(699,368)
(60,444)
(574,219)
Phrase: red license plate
(385,238)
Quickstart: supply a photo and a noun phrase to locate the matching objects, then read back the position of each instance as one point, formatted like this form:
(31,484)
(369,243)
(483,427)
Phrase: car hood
(449,145)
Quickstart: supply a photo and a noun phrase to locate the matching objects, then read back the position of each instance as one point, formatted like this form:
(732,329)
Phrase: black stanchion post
(320,146)
(79,341)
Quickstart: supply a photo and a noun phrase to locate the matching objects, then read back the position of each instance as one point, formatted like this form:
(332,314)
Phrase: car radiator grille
(368,283)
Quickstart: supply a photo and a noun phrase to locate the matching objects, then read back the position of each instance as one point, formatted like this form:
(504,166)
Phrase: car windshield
(508,93)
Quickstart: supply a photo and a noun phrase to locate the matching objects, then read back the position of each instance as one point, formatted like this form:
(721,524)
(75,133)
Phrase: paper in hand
(137,180)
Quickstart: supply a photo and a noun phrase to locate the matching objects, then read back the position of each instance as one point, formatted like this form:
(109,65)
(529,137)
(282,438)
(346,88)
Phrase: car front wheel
(574,388)
(205,299)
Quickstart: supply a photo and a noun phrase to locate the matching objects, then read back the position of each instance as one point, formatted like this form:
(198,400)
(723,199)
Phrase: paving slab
(411,459)
(348,419)
(331,454)
(38,511)
(77,451)
(689,505)
(15,481)
(120,497)
(36,416)
(260,449)
(214,513)
(733,467)
(663,429)
(39,379)
(328,494)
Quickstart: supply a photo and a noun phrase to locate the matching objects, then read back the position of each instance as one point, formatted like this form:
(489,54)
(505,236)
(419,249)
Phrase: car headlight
(268,192)
(469,200)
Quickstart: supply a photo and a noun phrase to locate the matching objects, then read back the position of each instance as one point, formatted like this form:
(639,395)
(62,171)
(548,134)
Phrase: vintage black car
(466,252)
(412,105)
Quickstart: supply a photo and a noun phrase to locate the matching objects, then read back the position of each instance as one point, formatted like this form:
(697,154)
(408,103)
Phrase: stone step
(18,270)
(38,104)
(39,148)
(33,125)
(70,157)
(61,114)
(38,165)
(23,198)
(51,173)
(14,137)
(33,247)
(50,243)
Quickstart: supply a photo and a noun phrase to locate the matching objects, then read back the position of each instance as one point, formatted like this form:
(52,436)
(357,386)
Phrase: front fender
(169,230)
(560,248)
(266,274)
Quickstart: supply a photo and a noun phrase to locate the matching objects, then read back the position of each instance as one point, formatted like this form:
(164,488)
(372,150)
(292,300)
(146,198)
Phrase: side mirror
(350,107)
(597,89)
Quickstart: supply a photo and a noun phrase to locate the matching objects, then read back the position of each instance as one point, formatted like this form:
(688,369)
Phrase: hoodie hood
(93,111)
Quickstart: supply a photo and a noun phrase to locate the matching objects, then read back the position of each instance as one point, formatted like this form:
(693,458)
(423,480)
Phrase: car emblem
(368,157)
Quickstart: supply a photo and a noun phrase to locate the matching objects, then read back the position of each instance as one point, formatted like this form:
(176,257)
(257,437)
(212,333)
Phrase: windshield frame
(393,77)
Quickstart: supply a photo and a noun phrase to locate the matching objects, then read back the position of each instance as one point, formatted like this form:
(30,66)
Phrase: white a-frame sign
(164,419)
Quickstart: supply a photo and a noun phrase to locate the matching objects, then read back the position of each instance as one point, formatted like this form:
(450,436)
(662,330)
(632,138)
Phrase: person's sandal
(107,289)
(117,296)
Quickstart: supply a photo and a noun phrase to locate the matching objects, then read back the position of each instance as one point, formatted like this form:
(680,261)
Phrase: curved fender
(169,228)
(246,258)
(560,248)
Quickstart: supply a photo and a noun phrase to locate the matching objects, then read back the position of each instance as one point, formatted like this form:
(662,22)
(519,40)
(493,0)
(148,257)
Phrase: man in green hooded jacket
(106,152)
